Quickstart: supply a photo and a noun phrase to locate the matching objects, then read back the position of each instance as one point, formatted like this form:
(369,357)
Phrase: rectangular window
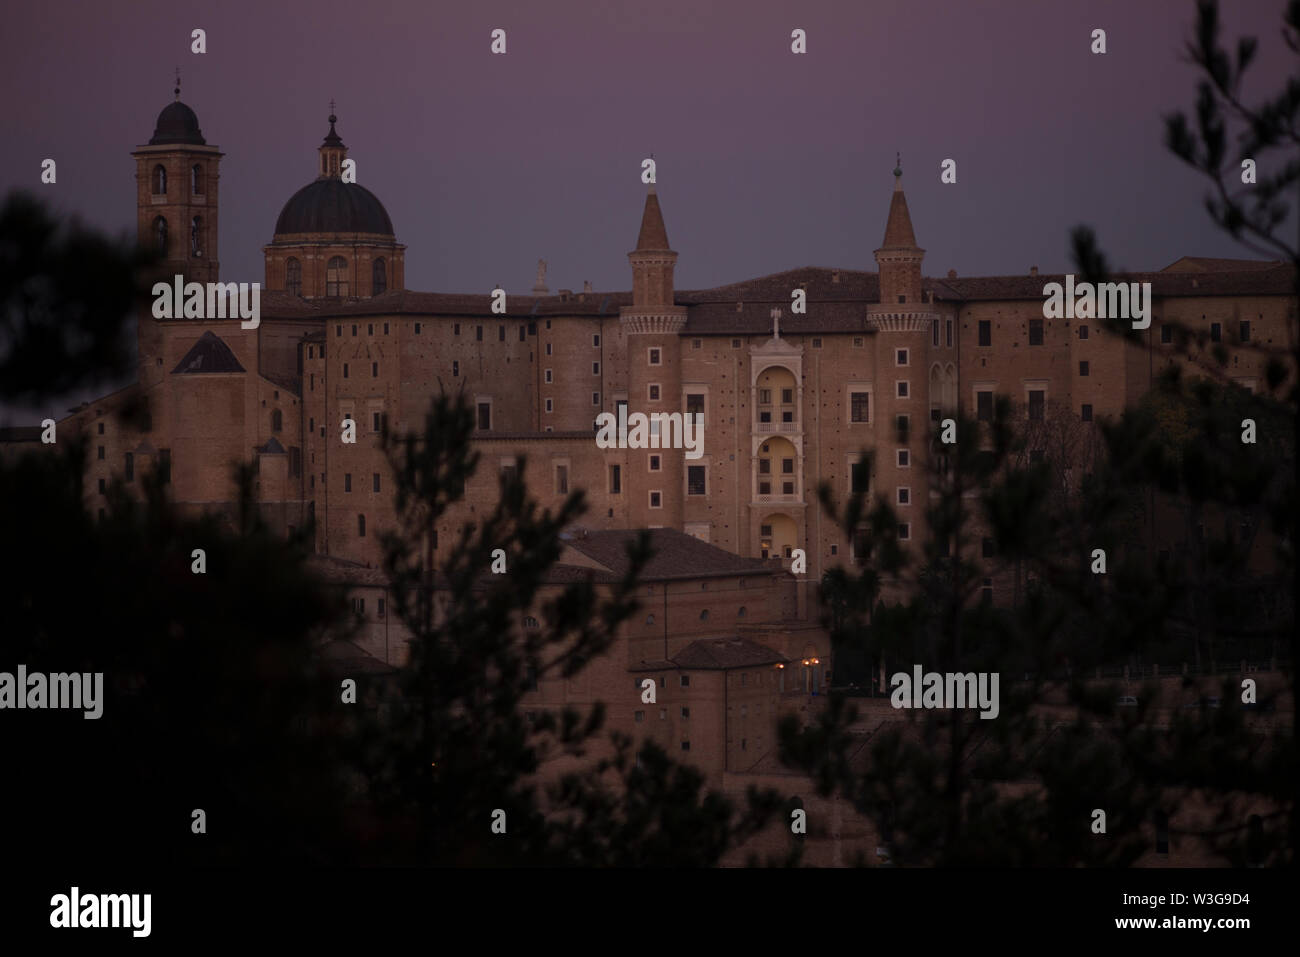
(654,393)
(100,456)
(656,500)
(549,406)
(787,396)
(374,482)
(859,480)
(1216,332)
(338,330)
(522,337)
(904,495)
(376,421)
(347,481)
(1083,332)
(817,343)
(455,368)
(561,480)
(595,341)
(1086,412)
(764,488)
(948,334)
(1037,402)
(695,404)
(903,425)
(986,332)
(655,357)
(686,712)
(787,466)
(900,357)
(484,416)
(547,376)
(787,416)
(984,406)
(370,329)
(478,333)
(595,368)
(904,459)
(695,480)
(765,396)
(1166,333)
(417,329)
(595,398)
(361,526)
(640,715)
(904,531)
(902,389)
(787,488)
(501,333)
(686,745)
(354,331)
(1083,367)
(165,465)
(934,333)
(697,343)
(345,370)
(764,466)
(765,416)
(654,463)
(859,406)
(385,328)
(101,486)
(686,681)
(735,343)
(548,348)
(1035,332)
(615,480)
(986,547)
(1244,331)
(986,592)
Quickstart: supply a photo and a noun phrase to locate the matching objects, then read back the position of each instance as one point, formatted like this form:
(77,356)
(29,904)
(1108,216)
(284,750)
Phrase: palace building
(786,399)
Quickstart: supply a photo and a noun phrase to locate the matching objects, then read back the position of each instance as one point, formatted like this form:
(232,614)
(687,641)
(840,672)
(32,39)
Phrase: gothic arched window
(160,235)
(196,179)
(196,236)
(336,277)
(293,276)
(379,277)
(159,180)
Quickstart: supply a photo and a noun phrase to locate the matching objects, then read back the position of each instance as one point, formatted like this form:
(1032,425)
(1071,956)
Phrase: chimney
(565,294)
(835,275)
(1033,270)
(586,285)
(952,274)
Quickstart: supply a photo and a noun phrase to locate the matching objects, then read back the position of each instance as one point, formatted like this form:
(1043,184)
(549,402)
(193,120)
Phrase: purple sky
(766,160)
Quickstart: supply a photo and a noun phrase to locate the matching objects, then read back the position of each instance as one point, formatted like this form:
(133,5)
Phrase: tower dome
(177,123)
(329,205)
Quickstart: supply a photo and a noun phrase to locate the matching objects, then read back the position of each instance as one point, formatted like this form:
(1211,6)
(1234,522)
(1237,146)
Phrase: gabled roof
(676,555)
(712,654)
(208,355)
(271,446)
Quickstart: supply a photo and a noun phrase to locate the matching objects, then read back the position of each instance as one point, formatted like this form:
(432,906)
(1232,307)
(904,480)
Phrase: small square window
(697,343)
(735,343)
(900,357)
(817,343)
(857,342)
(654,393)
(654,463)
(686,745)
(686,681)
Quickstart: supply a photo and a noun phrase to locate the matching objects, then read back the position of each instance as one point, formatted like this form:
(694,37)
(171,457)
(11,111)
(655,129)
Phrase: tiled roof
(345,658)
(288,383)
(709,654)
(340,571)
(1205,264)
(208,355)
(675,555)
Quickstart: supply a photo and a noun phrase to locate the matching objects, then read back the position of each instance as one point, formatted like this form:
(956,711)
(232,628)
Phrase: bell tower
(176,176)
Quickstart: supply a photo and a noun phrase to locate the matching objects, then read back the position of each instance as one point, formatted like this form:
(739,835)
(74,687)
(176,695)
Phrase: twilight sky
(766,160)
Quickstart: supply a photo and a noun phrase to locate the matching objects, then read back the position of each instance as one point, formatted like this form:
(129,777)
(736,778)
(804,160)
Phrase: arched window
(293,277)
(741,613)
(196,237)
(196,179)
(704,615)
(159,180)
(336,277)
(530,622)
(649,619)
(277,420)
(379,277)
(160,235)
